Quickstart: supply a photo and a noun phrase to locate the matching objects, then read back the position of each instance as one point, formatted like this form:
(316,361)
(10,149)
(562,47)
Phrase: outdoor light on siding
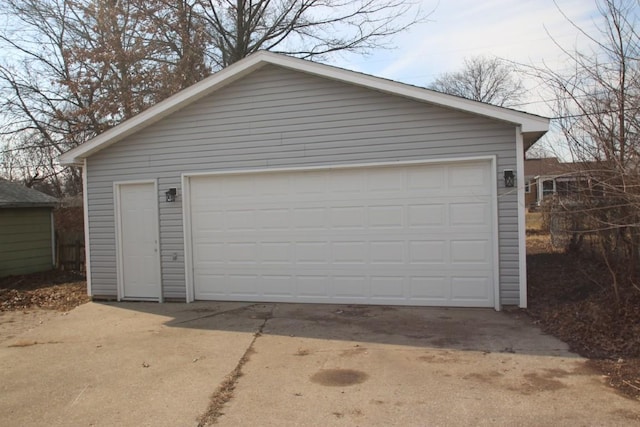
(171,195)
(509,178)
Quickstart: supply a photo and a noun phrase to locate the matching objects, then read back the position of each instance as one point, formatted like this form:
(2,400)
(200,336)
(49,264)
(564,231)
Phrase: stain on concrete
(446,357)
(489,377)
(353,352)
(339,377)
(539,383)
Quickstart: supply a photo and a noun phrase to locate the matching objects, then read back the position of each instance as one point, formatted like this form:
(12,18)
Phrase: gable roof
(533,127)
(14,195)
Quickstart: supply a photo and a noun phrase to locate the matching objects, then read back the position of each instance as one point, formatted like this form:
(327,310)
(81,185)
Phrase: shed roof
(14,195)
(533,127)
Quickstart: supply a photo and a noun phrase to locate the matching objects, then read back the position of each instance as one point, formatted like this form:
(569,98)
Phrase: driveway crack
(224,392)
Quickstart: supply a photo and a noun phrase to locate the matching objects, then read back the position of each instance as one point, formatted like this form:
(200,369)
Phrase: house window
(548,187)
(527,186)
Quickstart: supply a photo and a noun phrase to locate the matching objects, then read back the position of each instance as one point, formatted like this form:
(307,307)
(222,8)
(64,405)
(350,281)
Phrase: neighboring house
(547,177)
(26,230)
(279,179)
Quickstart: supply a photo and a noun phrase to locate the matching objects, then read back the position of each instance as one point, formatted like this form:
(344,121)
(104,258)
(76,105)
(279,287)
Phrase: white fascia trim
(529,122)
(87,238)
(522,234)
(157,112)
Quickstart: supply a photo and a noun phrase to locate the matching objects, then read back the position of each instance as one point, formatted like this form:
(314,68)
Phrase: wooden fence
(70,251)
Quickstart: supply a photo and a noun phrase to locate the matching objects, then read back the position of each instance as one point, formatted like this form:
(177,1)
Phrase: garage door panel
(426,179)
(469,288)
(470,251)
(426,215)
(347,217)
(387,235)
(470,214)
(354,287)
(429,288)
(428,252)
(349,252)
(386,180)
(388,288)
(276,253)
(313,286)
(469,178)
(243,285)
(350,182)
(309,218)
(387,252)
(277,286)
(386,216)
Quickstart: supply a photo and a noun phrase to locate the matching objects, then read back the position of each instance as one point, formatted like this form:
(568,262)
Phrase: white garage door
(405,235)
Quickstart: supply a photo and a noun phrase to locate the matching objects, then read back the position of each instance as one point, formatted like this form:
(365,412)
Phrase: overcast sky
(518,30)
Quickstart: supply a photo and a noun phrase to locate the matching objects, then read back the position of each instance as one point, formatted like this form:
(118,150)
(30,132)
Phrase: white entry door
(404,235)
(138,241)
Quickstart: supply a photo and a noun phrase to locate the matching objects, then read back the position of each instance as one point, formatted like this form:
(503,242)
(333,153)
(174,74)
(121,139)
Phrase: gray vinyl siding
(277,118)
(25,241)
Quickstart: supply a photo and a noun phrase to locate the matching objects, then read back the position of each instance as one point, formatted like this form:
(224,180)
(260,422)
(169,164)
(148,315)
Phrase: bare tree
(79,67)
(597,107)
(304,28)
(75,68)
(483,79)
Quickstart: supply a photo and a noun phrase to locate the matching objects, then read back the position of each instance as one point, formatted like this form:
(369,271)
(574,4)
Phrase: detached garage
(282,180)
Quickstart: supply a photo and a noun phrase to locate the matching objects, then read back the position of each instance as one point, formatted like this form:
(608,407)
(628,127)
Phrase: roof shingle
(14,195)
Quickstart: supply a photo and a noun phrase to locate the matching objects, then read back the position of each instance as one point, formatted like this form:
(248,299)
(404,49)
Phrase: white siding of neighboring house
(277,118)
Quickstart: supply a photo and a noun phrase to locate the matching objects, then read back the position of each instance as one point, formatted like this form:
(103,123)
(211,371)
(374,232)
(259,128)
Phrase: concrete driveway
(134,364)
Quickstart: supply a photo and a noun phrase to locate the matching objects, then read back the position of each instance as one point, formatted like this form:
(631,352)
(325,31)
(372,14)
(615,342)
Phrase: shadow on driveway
(466,329)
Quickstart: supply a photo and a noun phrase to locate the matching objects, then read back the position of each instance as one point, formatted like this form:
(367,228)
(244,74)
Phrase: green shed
(26,230)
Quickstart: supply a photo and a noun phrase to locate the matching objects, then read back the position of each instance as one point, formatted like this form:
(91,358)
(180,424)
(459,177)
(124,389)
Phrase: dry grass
(534,222)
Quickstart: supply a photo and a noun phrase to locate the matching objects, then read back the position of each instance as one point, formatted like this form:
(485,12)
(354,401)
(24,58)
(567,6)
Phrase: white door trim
(186,205)
(186,232)
(119,251)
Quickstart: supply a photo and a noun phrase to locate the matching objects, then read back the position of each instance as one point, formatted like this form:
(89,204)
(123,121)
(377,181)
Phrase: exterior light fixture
(171,195)
(509,178)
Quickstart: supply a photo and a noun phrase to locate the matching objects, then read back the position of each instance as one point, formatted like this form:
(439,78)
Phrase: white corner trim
(116,215)
(87,237)
(522,233)
(496,234)
(186,232)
